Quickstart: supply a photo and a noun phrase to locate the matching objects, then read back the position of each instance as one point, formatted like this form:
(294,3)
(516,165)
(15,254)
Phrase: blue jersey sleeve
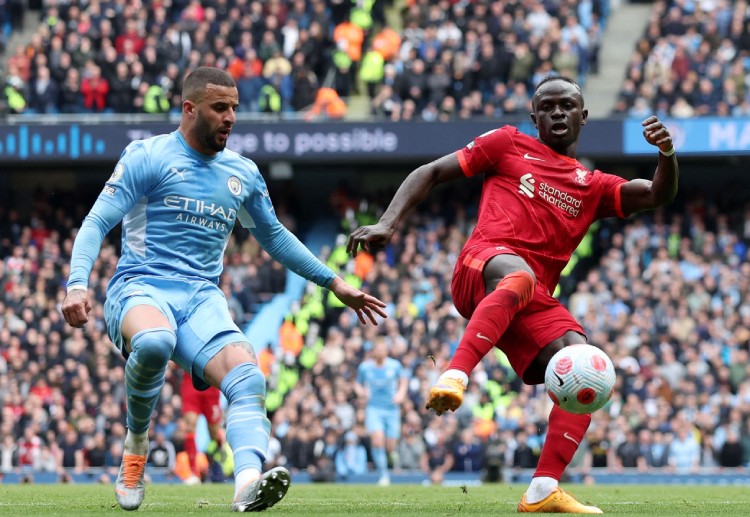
(131,179)
(100,220)
(258,216)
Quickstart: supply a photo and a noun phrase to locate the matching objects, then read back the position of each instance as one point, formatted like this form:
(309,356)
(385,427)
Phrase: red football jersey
(535,202)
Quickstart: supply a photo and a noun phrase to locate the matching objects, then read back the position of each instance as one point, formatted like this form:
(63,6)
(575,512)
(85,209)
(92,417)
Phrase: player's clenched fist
(76,307)
(656,133)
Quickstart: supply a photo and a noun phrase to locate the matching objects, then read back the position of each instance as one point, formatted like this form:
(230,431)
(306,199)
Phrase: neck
(569,150)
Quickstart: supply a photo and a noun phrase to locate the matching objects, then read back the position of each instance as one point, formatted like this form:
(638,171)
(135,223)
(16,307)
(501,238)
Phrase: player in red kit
(195,403)
(537,204)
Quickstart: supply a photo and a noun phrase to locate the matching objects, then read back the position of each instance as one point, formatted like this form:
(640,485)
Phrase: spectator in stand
(351,457)
(438,459)
(43,93)
(95,450)
(684,450)
(162,453)
(120,96)
(628,453)
(94,89)
(468,452)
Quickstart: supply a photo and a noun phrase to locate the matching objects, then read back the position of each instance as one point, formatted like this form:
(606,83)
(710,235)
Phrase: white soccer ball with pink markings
(580,378)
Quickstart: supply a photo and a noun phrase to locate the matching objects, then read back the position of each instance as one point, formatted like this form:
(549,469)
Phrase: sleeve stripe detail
(461,155)
(618,200)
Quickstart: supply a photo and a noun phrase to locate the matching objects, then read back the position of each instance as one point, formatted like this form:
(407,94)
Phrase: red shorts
(204,403)
(542,321)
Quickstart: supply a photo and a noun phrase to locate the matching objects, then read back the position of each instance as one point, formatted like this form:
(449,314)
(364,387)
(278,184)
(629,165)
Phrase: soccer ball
(580,378)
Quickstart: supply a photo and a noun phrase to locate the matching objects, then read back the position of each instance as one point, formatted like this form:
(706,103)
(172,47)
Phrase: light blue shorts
(197,311)
(386,421)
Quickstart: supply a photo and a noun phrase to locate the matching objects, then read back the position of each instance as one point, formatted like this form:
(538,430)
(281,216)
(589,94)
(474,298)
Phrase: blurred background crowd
(692,61)
(665,294)
(411,60)
(429,60)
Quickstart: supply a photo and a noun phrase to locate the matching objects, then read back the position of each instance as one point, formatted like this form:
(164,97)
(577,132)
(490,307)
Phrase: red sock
(491,319)
(564,435)
(192,451)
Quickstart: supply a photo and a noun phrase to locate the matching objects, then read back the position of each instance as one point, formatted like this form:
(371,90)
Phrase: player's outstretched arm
(412,191)
(100,220)
(639,194)
(365,305)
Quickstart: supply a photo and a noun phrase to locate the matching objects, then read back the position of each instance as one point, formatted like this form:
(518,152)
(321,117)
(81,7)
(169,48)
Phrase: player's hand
(656,133)
(364,304)
(369,238)
(76,308)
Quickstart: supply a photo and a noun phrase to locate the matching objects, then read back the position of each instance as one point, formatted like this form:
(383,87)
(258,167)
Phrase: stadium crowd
(665,295)
(448,60)
(691,61)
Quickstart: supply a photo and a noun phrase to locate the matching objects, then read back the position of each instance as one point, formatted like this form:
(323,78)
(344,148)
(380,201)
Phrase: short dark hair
(196,82)
(558,77)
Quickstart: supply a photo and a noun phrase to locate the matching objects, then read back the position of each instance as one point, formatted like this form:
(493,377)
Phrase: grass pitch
(367,500)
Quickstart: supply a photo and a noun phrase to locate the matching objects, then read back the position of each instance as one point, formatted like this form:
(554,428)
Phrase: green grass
(366,500)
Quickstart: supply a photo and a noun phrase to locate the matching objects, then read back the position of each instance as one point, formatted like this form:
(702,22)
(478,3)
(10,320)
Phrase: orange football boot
(446,394)
(559,501)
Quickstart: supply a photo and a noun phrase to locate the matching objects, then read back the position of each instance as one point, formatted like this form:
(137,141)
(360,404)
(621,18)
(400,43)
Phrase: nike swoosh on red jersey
(482,336)
(529,157)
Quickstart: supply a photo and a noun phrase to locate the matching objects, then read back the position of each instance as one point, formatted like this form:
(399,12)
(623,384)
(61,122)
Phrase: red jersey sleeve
(484,151)
(610,201)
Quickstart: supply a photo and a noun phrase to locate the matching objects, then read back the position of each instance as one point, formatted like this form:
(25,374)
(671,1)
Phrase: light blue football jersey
(179,209)
(381,381)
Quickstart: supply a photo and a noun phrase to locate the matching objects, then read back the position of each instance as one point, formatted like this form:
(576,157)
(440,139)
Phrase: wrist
(332,284)
(667,153)
(77,287)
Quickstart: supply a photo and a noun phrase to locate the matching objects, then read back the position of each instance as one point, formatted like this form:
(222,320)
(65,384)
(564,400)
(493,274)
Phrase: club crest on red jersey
(581,176)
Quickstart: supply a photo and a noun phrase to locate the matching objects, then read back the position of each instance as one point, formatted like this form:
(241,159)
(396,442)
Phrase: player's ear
(533,119)
(188,107)
(584,117)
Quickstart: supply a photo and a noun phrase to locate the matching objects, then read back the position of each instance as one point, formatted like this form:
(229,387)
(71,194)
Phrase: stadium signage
(700,136)
(297,141)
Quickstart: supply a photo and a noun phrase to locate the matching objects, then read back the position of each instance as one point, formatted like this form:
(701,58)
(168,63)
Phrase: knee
(521,282)
(525,278)
(244,379)
(153,347)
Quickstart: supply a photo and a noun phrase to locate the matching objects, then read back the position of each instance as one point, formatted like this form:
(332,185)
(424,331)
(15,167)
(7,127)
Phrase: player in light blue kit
(382,381)
(178,197)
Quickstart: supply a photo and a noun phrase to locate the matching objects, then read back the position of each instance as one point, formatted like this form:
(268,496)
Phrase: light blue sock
(248,429)
(144,374)
(380,459)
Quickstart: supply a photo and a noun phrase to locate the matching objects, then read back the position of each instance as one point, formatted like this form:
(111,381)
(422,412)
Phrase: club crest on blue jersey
(235,185)
(117,173)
